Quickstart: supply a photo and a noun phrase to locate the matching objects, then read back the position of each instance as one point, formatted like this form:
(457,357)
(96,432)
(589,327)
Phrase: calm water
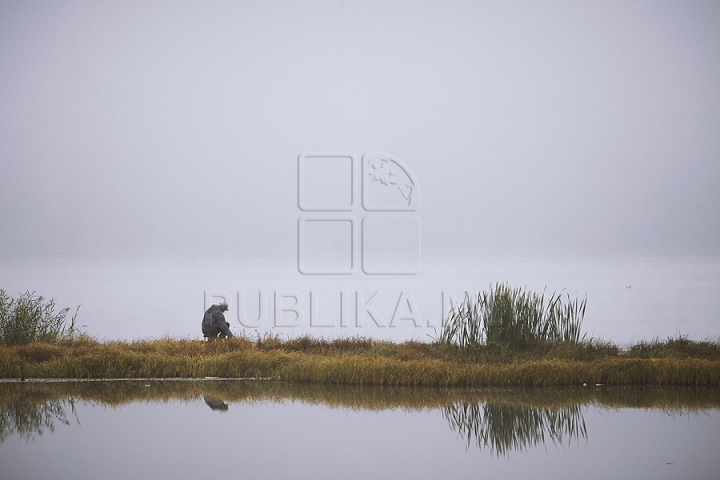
(628,298)
(271,430)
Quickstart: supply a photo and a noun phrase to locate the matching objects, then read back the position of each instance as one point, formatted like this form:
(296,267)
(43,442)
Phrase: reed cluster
(513,318)
(31,318)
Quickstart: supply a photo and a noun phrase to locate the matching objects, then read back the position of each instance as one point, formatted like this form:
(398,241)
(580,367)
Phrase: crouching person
(214,324)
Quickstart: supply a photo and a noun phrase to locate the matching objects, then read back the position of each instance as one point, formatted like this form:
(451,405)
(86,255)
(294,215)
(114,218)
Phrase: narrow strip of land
(362,361)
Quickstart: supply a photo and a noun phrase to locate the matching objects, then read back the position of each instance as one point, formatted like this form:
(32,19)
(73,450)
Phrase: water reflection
(498,420)
(216,404)
(503,427)
(27,419)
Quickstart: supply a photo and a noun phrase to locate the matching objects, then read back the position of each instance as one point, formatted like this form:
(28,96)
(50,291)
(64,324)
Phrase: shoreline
(361,361)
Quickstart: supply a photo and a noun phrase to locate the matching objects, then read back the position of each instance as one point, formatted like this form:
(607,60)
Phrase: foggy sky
(533,128)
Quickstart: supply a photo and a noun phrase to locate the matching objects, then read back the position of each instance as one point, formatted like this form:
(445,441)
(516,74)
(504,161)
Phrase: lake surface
(628,299)
(255,429)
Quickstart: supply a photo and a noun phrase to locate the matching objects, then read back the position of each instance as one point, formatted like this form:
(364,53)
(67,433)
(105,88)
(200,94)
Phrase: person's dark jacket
(214,321)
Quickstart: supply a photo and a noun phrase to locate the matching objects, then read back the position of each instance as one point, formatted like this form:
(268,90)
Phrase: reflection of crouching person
(216,404)
(214,324)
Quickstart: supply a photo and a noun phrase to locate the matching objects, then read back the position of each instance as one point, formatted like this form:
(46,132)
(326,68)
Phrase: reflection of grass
(502,427)
(500,420)
(363,361)
(27,419)
(115,393)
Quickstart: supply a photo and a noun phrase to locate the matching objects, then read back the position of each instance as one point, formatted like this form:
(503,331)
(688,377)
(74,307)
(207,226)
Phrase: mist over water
(164,130)
(342,168)
(628,299)
(153,156)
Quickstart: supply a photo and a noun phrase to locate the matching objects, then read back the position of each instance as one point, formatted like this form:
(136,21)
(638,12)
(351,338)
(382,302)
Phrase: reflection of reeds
(27,419)
(500,420)
(502,427)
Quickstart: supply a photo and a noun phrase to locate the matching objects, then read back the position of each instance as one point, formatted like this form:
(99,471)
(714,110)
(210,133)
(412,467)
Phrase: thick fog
(167,129)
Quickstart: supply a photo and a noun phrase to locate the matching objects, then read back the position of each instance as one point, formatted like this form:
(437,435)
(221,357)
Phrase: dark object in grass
(214,325)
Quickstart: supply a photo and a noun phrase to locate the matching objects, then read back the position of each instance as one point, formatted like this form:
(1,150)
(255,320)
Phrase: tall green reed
(514,317)
(30,318)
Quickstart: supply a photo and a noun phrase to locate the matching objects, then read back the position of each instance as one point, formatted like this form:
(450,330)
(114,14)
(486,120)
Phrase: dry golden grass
(361,361)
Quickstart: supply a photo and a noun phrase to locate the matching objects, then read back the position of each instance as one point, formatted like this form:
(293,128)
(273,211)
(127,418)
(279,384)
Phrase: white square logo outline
(386,185)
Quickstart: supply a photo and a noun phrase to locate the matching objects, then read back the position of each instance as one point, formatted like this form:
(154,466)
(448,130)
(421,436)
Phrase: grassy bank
(362,361)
